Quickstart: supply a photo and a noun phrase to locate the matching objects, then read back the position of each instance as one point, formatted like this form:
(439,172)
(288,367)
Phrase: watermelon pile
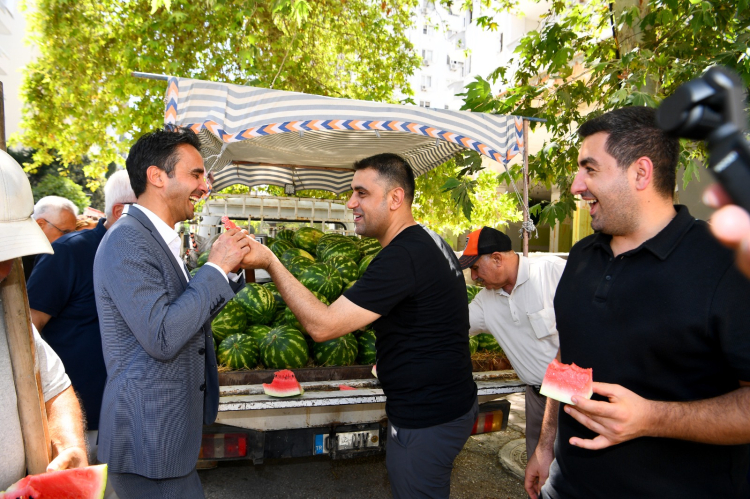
(257,329)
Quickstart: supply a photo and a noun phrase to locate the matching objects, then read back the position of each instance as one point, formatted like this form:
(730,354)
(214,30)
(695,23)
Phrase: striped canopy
(256,136)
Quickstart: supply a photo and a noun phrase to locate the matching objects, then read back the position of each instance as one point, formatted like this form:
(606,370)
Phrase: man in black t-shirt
(414,294)
(654,304)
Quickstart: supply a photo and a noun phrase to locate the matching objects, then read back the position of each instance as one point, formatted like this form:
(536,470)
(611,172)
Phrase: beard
(619,215)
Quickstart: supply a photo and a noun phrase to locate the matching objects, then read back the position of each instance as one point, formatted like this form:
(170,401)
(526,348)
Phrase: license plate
(353,440)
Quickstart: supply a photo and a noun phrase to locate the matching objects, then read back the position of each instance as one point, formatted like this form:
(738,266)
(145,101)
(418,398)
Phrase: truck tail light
(488,422)
(223,445)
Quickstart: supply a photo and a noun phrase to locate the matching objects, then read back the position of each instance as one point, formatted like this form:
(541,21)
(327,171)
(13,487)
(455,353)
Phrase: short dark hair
(393,169)
(632,134)
(158,149)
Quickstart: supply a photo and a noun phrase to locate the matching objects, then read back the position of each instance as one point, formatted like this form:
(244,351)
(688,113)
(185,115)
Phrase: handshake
(236,249)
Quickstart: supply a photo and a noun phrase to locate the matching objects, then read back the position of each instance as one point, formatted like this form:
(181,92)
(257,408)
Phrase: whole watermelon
(283,348)
(271,286)
(286,235)
(347,268)
(488,343)
(278,319)
(238,351)
(340,351)
(340,247)
(324,279)
(279,246)
(347,286)
(367,352)
(287,256)
(257,331)
(471,291)
(298,264)
(291,319)
(327,239)
(194,271)
(473,344)
(231,320)
(364,263)
(369,246)
(258,302)
(307,238)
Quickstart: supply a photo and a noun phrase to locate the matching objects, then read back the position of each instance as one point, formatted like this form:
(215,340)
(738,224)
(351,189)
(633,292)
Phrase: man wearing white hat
(20,235)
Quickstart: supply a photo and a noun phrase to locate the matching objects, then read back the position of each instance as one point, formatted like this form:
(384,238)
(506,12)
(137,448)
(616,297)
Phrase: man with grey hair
(63,307)
(56,216)
(19,236)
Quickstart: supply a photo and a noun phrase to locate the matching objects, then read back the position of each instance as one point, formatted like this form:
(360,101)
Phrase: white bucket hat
(20,235)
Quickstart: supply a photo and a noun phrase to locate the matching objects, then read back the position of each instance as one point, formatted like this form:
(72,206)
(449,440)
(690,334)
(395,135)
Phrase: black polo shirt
(670,321)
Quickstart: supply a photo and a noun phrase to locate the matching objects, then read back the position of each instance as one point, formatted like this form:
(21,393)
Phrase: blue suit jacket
(162,382)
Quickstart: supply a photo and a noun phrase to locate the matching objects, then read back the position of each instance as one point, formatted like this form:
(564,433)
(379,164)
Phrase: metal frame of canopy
(310,142)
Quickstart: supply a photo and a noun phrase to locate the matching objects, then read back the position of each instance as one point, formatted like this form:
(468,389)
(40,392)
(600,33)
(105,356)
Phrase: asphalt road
(477,474)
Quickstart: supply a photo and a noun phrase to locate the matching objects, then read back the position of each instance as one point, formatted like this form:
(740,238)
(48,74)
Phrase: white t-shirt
(523,322)
(54,382)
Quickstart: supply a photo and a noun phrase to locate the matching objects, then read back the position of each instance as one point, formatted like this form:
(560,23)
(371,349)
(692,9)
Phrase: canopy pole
(150,76)
(32,412)
(525,186)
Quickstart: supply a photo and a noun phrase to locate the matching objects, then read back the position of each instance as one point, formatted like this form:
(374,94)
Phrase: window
(501,42)
(426,82)
(446,106)
(424,29)
(423,103)
(427,55)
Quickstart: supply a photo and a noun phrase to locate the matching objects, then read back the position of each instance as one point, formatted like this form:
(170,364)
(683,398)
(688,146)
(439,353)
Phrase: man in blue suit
(155,322)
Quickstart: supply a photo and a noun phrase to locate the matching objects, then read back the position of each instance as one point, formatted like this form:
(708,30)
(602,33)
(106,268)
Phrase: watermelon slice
(228,224)
(78,483)
(562,381)
(346,387)
(374,370)
(284,384)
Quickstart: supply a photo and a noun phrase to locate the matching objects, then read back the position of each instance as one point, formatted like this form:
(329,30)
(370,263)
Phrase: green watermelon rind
(348,268)
(238,351)
(324,279)
(488,343)
(341,351)
(307,238)
(259,303)
(563,381)
(231,320)
(367,352)
(284,348)
(340,247)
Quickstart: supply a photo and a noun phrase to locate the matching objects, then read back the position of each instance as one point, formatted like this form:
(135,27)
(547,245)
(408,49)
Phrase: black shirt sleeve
(388,280)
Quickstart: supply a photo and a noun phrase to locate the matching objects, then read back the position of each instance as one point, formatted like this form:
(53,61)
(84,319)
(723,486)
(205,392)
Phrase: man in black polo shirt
(414,293)
(654,304)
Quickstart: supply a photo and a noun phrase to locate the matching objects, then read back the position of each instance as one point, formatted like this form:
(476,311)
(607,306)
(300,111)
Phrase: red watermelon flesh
(562,381)
(78,483)
(346,387)
(284,384)
(374,370)
(228,223)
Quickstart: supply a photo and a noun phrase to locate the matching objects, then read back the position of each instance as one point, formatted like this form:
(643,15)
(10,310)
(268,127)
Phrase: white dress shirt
(523,322)
(172,240)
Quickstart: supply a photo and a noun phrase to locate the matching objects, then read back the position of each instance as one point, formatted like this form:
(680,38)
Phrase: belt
(535,388)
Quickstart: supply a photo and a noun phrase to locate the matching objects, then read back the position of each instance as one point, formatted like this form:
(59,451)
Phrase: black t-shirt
(423,360)
(668,320)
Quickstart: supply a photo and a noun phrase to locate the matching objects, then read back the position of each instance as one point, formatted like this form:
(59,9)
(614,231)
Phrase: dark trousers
(131,486)
(420,461)
(535,404)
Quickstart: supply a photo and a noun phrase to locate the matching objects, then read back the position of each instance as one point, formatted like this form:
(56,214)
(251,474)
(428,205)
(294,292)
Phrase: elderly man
(655,305)
(155,322)
(19,236)
(414,294)
(517,307)
(63,307)
(56,216)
